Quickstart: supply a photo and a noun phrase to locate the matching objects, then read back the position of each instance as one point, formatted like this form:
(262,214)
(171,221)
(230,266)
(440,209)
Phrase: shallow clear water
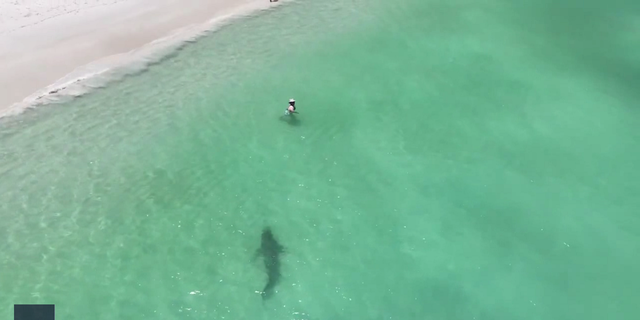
(451,160)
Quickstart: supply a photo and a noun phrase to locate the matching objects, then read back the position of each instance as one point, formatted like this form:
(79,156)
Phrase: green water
(451,160)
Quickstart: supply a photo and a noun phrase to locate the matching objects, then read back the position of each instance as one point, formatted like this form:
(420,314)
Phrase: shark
(271,252)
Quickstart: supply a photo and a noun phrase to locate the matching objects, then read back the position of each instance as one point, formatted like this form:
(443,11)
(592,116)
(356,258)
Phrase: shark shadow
(271,251)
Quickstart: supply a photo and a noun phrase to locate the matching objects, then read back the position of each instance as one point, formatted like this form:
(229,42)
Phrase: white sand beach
(42,41)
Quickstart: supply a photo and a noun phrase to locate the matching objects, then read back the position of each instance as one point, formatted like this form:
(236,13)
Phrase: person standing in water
(291,109)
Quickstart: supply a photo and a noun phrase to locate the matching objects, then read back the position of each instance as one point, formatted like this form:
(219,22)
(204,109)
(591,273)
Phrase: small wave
(100,73)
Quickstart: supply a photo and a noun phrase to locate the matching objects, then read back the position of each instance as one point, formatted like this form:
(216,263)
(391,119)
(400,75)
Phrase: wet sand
(41,42)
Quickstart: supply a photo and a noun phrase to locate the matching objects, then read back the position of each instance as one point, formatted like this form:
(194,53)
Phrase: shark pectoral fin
(256,255)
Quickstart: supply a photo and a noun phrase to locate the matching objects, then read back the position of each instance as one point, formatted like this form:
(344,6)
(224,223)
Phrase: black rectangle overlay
(34,312)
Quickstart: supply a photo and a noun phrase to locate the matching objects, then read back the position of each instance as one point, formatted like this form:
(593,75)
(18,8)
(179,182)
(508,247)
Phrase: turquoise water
(451,160)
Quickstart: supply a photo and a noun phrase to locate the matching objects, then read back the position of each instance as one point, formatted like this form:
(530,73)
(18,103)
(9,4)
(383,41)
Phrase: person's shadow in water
(291,119)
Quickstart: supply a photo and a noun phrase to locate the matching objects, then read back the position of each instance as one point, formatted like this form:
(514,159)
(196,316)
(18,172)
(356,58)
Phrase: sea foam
(100,73)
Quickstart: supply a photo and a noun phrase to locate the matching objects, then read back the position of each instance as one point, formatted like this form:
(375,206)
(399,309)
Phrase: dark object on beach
(273,0)
(270,250)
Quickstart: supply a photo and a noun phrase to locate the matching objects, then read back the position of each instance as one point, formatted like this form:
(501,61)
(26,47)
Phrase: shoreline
(68,54)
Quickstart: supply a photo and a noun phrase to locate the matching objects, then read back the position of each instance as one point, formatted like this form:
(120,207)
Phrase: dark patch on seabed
(594,33)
